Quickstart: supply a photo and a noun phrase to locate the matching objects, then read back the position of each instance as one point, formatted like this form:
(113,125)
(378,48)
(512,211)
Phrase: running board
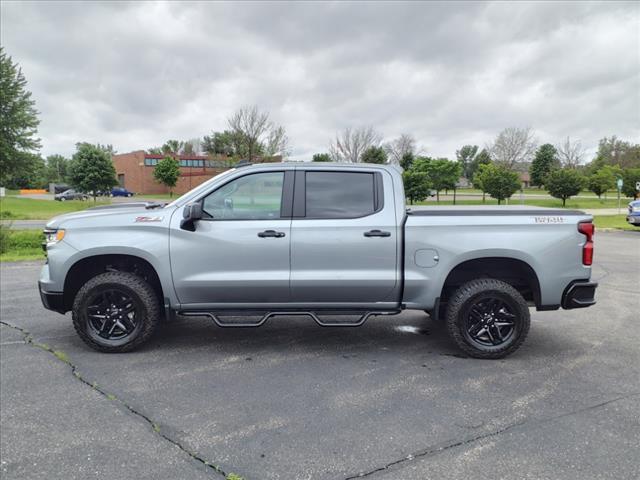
(215,316)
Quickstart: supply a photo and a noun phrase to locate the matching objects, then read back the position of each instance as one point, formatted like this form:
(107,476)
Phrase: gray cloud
(135,74)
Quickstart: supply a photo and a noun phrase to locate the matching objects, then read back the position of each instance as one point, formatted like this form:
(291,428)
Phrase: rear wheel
(115,312)
(487,318)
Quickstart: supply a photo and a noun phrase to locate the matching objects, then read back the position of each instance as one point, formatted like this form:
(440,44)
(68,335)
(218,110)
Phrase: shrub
(4,238)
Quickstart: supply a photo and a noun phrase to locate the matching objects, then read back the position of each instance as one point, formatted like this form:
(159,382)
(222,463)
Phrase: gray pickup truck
(334,242)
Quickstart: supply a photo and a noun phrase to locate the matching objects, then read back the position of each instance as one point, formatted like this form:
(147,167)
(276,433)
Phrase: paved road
(390,400)
(25,224)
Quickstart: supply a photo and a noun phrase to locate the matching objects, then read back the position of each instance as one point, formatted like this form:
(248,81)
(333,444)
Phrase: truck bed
(439,239)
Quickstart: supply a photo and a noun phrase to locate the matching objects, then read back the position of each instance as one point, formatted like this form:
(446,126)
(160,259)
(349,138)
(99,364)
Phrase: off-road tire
(140,292)
(465,297)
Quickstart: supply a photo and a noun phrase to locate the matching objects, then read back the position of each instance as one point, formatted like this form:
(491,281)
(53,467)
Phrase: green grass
(619,222)
(159,196)
(538,202)
(23,245)
(534,191)
(12,208)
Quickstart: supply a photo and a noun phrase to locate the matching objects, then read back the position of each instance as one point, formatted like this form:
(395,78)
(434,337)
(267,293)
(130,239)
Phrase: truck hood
(127,213)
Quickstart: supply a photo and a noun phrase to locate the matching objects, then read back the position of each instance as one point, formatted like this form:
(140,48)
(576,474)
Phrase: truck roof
(323,165)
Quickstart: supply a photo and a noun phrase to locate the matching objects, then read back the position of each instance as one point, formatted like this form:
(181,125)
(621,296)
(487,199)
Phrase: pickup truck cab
(328,241)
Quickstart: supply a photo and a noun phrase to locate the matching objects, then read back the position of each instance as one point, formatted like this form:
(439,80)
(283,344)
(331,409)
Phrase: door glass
(339,194)
(252,197)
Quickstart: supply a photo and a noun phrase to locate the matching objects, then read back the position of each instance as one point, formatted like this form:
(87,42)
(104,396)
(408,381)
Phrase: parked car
(59,188)
(70,194)
(316,240)
(121,192)
(634,213)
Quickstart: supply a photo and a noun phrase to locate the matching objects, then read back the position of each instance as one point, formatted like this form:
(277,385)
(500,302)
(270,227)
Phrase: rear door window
(339,194)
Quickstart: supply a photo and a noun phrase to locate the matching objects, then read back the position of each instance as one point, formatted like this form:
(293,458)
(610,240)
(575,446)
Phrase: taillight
(587,229)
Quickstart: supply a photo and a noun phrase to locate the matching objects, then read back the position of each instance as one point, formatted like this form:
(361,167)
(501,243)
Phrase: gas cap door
(427,257)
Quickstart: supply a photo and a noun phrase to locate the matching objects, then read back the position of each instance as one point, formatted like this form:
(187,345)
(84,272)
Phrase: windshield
(199,188)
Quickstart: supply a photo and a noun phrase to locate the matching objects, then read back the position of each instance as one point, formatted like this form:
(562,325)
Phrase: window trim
(299,211)
(286,198)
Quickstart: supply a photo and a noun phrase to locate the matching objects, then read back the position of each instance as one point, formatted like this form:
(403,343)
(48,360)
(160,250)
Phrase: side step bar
(215,316)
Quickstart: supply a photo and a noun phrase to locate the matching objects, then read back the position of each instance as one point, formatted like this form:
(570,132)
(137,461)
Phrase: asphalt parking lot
(390,400)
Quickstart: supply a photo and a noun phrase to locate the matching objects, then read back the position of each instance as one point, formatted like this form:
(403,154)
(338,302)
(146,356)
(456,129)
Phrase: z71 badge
(148,219)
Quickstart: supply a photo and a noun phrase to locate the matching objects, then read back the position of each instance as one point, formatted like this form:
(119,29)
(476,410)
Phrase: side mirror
(190,215)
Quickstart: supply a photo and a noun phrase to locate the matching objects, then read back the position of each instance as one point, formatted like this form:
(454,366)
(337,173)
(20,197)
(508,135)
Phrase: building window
(150,162)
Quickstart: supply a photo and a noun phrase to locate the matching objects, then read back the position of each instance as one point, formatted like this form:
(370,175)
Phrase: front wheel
(116,312)
(487,318)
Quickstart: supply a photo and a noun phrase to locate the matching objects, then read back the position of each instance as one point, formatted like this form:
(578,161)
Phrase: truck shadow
(410,334)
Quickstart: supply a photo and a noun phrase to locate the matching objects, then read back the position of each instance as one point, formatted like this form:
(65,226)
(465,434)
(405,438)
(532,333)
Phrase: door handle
(377,233)
(271,234)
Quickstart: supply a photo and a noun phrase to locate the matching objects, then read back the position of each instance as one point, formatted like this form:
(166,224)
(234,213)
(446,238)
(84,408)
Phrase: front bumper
(52,300)
(579,294)
(633,219)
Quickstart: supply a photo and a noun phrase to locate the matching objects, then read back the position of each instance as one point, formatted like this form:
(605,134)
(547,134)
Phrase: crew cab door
(239,251)
(344,238)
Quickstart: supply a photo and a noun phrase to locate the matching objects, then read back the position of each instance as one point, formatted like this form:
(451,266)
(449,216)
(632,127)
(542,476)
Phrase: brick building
(134,171)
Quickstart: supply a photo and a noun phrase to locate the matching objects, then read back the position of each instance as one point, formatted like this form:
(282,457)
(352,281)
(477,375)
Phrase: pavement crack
(435,449)
(61,356)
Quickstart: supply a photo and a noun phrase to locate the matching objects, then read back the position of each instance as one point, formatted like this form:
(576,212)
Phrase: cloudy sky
(136,74)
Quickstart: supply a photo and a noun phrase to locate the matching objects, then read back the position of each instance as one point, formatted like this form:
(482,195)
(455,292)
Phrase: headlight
(635,208)
(53,235)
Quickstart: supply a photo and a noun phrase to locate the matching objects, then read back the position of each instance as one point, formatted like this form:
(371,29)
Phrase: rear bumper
(579,294)
(52,300)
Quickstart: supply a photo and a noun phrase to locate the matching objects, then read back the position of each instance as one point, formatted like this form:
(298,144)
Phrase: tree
(544,161)
(91,169)
(465,157)
(441,173)
(31,172)
(253,133)
(613,151)
(630,177)
(220,143)
(192,147)
(407,160)
(57,167)
(351,143)
(321,157)
(277,142)
(416,186)
(167,172)
(172,146)
(564,183)
(374,155)
(513,146)
(18,118)
(477,180)
(570,153)
(483,158)
(601,181)
(498,181)
(397,149)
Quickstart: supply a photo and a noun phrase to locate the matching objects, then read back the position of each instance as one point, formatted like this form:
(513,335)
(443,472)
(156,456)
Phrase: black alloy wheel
(490,321)
(116,311)
(487,318)
(112,314)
